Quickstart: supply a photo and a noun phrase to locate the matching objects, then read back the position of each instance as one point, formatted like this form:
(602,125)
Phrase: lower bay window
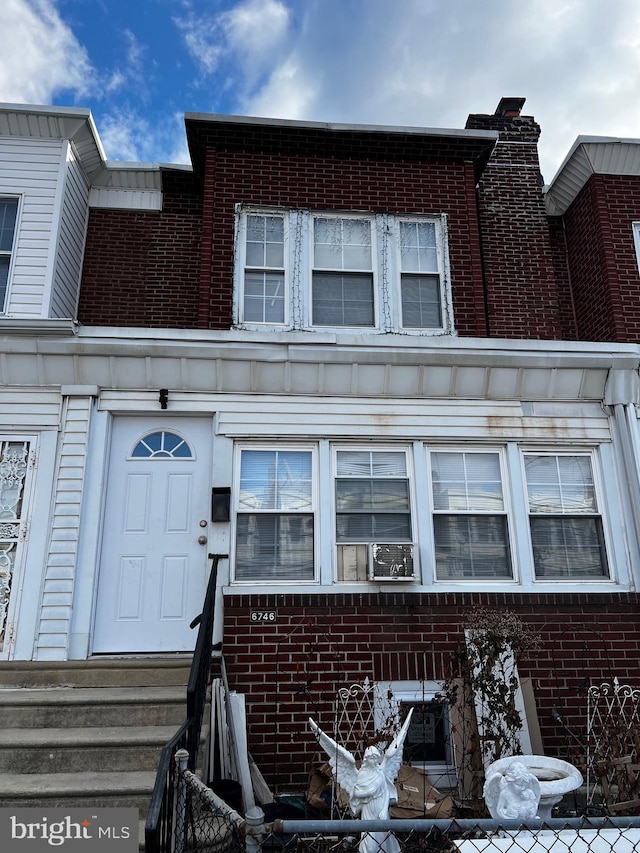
(373,518)
(484,516)
(566,528)
(469,516)
(275,518)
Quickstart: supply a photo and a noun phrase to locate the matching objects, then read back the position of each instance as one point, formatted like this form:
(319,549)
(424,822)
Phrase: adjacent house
(382,370)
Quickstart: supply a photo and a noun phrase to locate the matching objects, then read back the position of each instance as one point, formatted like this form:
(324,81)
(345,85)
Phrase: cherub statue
(370,787)
(514,795)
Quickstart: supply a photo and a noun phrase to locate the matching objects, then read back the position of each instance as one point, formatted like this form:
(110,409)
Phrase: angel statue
(512,794)
(370,787)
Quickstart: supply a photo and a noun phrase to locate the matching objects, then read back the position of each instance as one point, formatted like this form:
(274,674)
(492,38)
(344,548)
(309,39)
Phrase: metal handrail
(159,826)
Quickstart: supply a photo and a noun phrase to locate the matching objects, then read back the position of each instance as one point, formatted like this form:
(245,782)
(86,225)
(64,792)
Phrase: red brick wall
(290,670)
(561,272)
(602,260)
(142,268)
(520,279)
(317,183)
(175,268)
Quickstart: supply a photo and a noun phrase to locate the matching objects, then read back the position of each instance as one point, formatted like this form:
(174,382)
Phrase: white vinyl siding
(29,408)
(73,224)
(30,169)
(61,565)
(361,420)
(125,199)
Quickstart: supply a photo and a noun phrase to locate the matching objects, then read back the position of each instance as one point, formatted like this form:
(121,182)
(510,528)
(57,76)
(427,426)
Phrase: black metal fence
(160,824)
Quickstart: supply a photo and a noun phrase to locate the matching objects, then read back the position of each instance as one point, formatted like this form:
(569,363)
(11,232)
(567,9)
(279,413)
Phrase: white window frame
(241,267)
(370,448)
(388,696)
(270,447)
(442,272)
(507,512)
(4,298)
(596,473)
(636,241)
(511,454)
(312,269)
(386,271)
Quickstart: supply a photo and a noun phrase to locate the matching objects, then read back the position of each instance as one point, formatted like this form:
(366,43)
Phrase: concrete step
(92,706)
(77,789)
(72,750)
(100,672)
(88,733)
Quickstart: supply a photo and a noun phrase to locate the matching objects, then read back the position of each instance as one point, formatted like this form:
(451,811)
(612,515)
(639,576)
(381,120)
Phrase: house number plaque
(263,616)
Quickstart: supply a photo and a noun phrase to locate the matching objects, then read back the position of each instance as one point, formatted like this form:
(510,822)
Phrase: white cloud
(248,35)
(127,135)
(129,76)
(430,64)
(40,55)
(202,37)
(115,82)
(254,30)
(288,93)
(414,62)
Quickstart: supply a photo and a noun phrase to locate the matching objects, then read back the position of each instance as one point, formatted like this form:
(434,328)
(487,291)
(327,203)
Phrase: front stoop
(87,733)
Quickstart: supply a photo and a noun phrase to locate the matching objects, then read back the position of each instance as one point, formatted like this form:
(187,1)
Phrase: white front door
(154,566)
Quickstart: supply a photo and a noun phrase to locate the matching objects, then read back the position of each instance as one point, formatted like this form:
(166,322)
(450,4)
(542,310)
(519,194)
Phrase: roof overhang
(206,130)
(76,124)
(359,367)
(590,155)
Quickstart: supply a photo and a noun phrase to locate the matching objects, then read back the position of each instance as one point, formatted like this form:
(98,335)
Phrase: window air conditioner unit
(391,562)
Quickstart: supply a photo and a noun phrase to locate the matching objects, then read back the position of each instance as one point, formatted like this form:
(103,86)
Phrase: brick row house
(381,368)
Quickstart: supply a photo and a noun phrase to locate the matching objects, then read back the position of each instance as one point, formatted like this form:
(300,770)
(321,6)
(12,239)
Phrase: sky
(139,65)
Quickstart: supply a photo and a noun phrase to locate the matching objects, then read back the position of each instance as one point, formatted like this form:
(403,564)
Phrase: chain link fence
(206,824)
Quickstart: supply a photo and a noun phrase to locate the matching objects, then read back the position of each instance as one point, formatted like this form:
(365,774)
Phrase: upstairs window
(264,270)
(8,216)
(342,283)
(419,276)
(566,527)
(298,269)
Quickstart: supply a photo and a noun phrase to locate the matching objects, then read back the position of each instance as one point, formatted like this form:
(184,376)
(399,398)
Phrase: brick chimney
(520,286)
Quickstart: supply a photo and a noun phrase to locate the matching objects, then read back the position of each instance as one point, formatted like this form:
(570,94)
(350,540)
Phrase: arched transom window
(162,445)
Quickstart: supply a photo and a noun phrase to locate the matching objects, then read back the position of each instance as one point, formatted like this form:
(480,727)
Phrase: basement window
(429,741)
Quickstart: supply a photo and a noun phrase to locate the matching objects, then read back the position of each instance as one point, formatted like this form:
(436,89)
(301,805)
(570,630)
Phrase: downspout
(626,424)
